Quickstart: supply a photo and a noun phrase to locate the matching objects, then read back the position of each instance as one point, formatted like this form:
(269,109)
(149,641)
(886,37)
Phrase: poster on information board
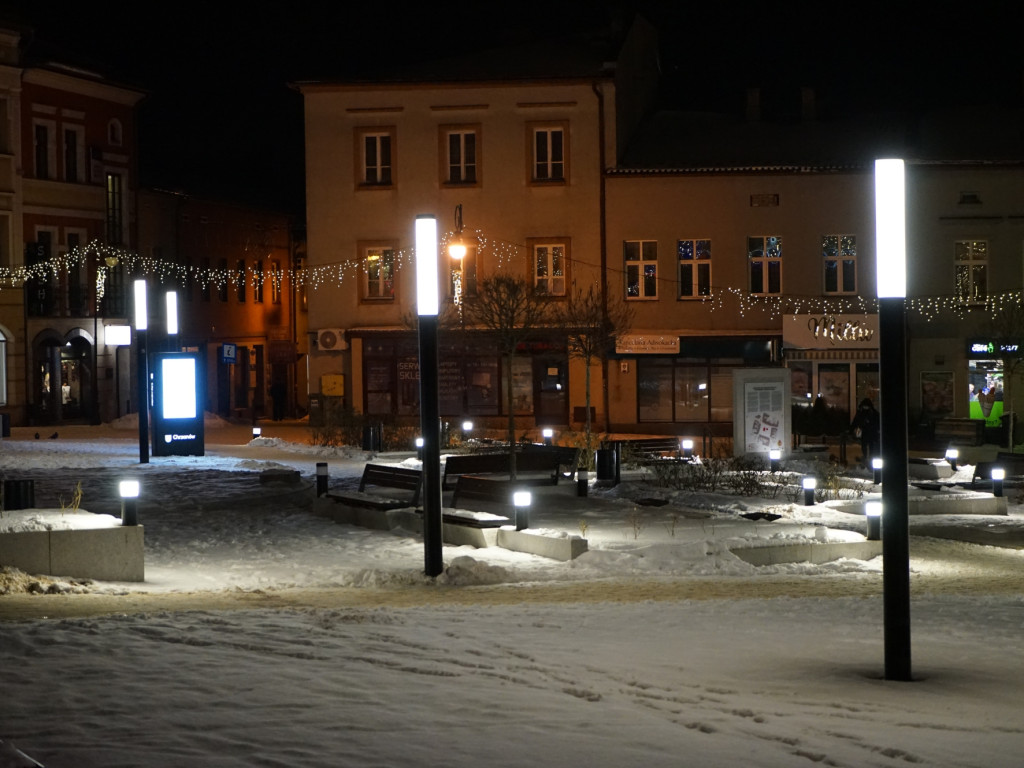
(762,418)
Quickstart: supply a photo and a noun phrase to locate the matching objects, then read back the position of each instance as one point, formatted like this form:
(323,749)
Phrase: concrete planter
(107,554)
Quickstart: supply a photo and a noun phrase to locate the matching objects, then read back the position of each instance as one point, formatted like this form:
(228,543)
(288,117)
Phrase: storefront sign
(988,349)
(830,331)
(654,343)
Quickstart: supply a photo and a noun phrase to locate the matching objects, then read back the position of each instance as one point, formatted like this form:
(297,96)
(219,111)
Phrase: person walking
(866,425)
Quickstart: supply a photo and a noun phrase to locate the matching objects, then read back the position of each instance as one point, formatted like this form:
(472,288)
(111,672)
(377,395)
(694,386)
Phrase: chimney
(753,105)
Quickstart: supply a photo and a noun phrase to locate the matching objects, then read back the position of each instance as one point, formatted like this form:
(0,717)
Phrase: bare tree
(591,327)
(513,310)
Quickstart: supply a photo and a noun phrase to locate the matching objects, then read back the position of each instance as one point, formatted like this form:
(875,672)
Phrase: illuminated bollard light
(873,517)
(549,436)
(687,446)
(876,470)
(256,432)
(809,484)
(129,491)
(321,478)
(774,459)
(952,454)
(521,500)
(582,482)
(419,448)
(998,475)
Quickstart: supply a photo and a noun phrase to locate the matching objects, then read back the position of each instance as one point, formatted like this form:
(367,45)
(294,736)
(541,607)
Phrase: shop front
(834,357)
(989,361)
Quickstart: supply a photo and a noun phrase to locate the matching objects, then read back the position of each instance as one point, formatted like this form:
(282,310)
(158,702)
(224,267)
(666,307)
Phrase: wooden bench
(545,464)
(383,476)
(567,457)
(650,448)
(1013,463)
(960,431)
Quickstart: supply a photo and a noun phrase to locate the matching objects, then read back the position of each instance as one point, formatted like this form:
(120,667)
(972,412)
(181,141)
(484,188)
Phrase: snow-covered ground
(656,647)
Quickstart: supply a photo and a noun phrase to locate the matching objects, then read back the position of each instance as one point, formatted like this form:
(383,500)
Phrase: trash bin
(316,411)
(606,466)
(5,425)
(19,494)
(373,437)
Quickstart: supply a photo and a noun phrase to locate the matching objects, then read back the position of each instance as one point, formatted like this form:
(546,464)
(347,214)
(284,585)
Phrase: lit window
(765,257)
(840,261)
(971,258)
(641,264)
(549,261)
(694,268)
(380,270)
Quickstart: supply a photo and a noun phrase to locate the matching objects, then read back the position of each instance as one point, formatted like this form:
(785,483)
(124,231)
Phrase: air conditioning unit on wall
(331,339)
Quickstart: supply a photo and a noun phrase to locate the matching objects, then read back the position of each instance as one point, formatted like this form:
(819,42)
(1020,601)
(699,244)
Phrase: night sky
(221,120)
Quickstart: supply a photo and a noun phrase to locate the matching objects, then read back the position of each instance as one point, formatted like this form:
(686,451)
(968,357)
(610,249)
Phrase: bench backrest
(402,478)
(482,489)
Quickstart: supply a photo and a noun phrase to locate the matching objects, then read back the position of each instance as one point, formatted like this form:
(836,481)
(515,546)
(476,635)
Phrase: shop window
(839,253)
(683,391)
(971,262)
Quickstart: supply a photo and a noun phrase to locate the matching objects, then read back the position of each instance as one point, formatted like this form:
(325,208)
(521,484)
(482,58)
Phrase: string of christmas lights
(106,258)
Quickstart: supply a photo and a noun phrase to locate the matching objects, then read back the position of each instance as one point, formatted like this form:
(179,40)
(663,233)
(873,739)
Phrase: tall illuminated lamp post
(427,306)
(141,326)
(891,258)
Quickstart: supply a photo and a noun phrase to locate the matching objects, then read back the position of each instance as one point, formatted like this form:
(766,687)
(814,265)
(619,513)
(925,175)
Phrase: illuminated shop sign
(830,331)
(994,348)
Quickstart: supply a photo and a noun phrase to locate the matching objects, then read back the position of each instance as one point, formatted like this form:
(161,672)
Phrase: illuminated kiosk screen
(177,405)
(179,395)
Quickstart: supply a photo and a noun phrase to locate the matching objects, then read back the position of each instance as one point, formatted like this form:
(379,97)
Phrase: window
(376,151)
(115,203)
(460,153)
(549,153)
(240,280)
(765,257)
(115,135)
(641,260)
(380,273)
(257,282)
(549,268)
(3,369)
(44,149)
(74,154)
(204,266)
(840,257)
(694,268)
(971,258)
(275,282)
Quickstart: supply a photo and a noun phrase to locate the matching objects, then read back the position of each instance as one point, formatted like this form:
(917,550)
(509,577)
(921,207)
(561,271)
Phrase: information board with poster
(762,417)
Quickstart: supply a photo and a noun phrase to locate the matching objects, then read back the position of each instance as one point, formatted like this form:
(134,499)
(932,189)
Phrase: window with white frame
(74,153)
(764,255)
(115,209)
(839,254)
(971,263)
(380,273)
(549,153)
(694,268)
(376,150)
(549,268)
(641,266)
(44,148)
(461,146)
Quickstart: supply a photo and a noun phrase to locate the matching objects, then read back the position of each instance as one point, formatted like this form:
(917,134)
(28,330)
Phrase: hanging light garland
(106,258)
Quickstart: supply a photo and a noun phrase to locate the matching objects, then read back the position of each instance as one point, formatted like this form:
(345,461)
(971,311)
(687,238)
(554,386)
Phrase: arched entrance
(62,377)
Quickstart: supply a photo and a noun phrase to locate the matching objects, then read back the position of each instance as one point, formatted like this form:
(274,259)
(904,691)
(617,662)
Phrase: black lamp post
(141,326)
(891,273)
(427,305)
